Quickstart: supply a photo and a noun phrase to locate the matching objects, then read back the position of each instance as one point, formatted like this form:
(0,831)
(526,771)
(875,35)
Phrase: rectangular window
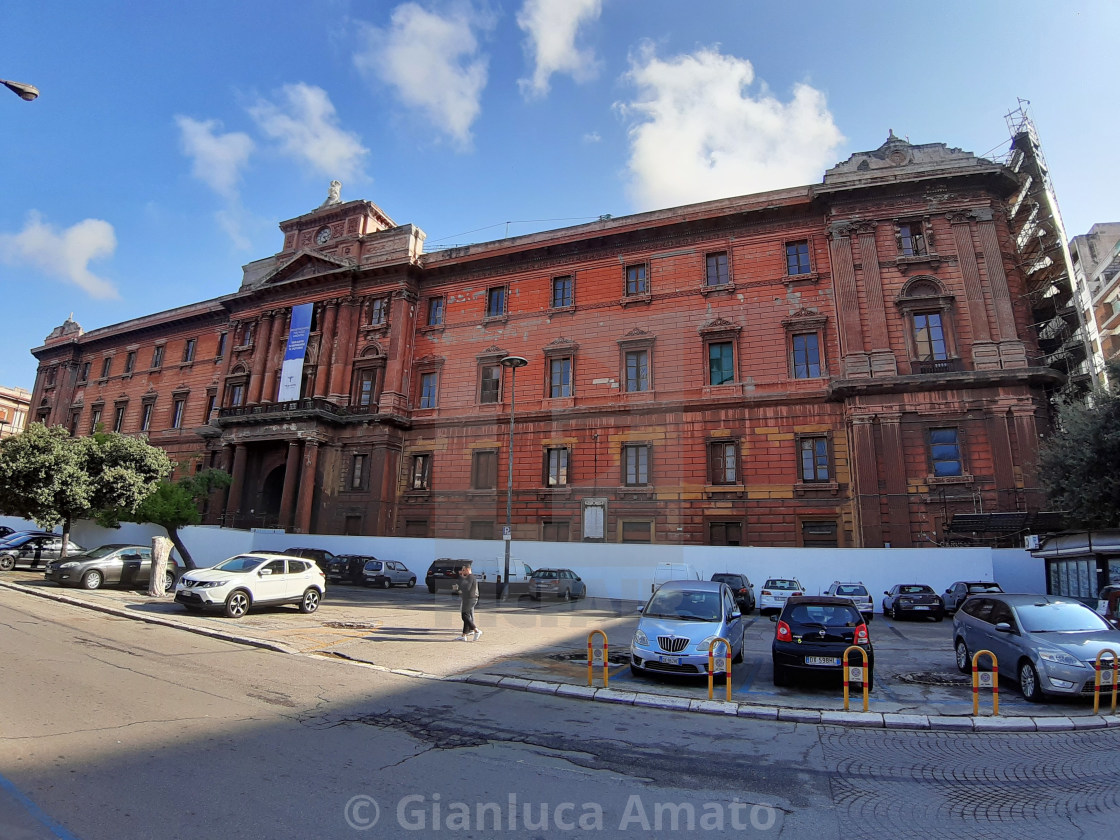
(635,465)
(367,387)
(482,530)
(118,419)
(636,280)
(177,410)
(725,533)
(560,377)
(429,383)
(556,530)
(797,258)
(129,361)
(556,466)
(490,384)
(496,302)
(188,350)
(358,472)
(484,470)
(911,240)
(929,337)
(640,531)
(561,292)
(945,453)
(75,419)
(157,357)
(637,370)
(94,419)
(806,356)
(379,311)
(421,477)
(84,377)
(721,362)
(49,377)
(819,535)
(814,459)
(236,394)
(106,366)
(715,269)
(435,312)
(221,345)
(211,399)
(723,462)
(146,417)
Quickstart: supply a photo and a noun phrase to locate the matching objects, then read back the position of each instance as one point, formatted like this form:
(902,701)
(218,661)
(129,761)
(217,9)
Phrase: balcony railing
(936,366)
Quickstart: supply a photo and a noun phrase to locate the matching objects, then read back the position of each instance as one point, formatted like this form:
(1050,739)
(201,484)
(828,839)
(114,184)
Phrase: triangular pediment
(302,264)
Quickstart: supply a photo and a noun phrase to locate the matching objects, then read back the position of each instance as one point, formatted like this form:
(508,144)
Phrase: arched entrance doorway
(272,490)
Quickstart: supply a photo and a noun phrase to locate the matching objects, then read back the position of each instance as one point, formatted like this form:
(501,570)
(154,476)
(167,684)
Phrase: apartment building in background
(13,410)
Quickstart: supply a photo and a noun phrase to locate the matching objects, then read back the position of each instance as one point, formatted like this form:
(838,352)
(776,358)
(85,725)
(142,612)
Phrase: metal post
(513,363)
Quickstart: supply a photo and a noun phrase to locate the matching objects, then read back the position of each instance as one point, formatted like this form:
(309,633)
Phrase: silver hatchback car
(1048,643)
(679,622)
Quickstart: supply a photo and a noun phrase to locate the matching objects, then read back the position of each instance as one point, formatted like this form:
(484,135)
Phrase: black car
(346,568)
(812,634)
(321,556)
(957,592)
(33,549)
(913,599)
(443,573)
(741,588)
(5,532)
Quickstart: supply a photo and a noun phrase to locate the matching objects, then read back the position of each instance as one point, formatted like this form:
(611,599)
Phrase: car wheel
(168,582)
(92,580)
(386,583)
(567,596)
(964,660)
(237,604)
(1028,683)
(431,590)
(411,582)
(939,617)
(310,601)
(870,617)
(7,563)
(737,658)
(780,676)
(870,681)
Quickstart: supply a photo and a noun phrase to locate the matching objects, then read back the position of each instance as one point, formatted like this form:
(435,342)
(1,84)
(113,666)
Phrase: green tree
(1078,464)
(50,477)
(175,504)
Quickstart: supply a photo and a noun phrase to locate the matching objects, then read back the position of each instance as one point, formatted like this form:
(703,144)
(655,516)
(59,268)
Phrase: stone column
(307,481)
(227,362)
(1012,351)
(291,480)
(1026,436)
(985,353)
(275,356)
(865,471)
(260,358)
(894,471)
(237,485)
(327,340)
(346,337)
(855,361)
(394,399)
(883,362)
(1003,466)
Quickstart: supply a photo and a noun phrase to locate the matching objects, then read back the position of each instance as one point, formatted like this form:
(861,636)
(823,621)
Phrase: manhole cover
(935,678)
(581,658)
(351,625)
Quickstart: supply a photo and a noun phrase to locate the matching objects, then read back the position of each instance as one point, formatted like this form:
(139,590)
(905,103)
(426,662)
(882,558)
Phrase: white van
(490,571)
(672,571)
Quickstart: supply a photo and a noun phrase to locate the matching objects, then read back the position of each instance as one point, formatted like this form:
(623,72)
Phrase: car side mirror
(949,591)
(264,572)
(885,592)
(1004,627)
(640,609)
(774,619)
(736,614)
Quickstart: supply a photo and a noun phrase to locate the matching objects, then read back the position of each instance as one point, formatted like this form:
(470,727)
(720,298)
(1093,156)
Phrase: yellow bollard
(712,666)
(863,674)
(993,675)
(594,656)
(1111,673)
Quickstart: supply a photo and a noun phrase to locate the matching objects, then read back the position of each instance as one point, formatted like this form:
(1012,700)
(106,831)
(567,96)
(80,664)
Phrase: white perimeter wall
(626,571)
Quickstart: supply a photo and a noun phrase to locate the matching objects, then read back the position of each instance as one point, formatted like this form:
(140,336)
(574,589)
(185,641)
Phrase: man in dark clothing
(468,593)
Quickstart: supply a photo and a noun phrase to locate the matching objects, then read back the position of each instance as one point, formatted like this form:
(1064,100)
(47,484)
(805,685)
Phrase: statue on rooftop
(334,194)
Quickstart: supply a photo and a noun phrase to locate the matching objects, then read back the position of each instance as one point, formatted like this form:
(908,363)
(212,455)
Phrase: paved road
(114,729)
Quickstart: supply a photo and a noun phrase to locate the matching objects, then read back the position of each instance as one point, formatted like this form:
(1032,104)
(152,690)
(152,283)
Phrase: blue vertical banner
(291,374)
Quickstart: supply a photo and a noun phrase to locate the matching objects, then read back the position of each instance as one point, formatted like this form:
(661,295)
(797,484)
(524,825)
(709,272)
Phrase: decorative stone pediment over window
(560,347)
(719,327)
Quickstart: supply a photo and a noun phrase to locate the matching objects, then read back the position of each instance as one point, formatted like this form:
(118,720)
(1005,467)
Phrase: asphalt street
(115,728)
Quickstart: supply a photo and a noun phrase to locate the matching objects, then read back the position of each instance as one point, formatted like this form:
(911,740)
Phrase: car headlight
(211,584)
(1059,657)
(640,639)
(70,565)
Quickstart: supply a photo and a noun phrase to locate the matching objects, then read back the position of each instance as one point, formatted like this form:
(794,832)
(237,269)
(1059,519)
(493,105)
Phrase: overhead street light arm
(23,91)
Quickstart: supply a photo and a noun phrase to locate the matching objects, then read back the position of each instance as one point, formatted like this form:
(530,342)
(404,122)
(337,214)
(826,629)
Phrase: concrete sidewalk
(541,647)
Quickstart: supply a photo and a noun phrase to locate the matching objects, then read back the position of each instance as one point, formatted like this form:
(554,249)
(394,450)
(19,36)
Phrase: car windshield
(686,606)
(1059,618)
(984,587)
(824,615)
(842,589)
(240,563)
(915,590)
(543,574)
(774,583)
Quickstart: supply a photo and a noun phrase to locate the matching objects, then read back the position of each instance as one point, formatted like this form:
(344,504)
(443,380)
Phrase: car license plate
(822,660)
(920,607)
(669,660)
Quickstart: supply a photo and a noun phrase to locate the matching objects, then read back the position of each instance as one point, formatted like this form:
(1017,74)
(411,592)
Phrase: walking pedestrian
(468,594)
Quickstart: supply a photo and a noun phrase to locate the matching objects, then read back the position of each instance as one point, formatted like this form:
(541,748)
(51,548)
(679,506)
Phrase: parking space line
(898,633)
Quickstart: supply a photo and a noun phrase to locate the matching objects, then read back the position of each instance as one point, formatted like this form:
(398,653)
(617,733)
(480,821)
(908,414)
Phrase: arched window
(928,310)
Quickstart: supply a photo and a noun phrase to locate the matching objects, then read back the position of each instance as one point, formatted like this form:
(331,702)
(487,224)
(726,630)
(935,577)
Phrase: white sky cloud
(551,27)
(697,132)
(432,62)
(64,254)
(216,159)
(306,126)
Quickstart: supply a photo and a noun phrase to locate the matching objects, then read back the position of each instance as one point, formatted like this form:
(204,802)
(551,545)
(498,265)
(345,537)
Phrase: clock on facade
(323,235)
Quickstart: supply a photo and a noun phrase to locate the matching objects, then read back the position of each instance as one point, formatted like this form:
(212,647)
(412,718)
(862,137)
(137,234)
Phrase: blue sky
(170,139)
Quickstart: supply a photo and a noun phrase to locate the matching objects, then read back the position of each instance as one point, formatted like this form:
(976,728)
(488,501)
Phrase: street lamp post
(23,91)
(512,363)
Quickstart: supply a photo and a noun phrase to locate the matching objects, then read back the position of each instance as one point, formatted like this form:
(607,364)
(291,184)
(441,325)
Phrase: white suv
(249,580)
(775,592)
(857,593)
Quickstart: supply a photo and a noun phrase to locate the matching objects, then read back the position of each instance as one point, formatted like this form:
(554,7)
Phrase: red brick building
(846,363)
